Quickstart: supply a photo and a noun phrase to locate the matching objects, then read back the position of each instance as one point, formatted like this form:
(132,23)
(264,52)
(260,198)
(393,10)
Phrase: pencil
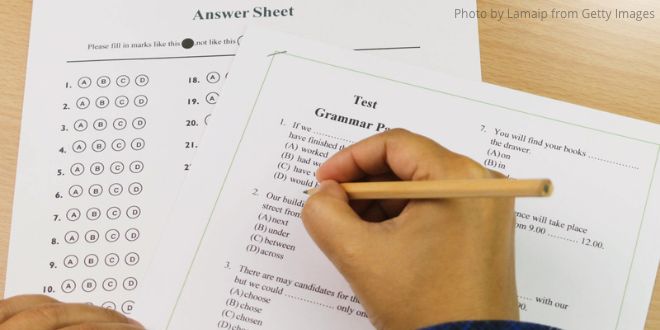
(446,189)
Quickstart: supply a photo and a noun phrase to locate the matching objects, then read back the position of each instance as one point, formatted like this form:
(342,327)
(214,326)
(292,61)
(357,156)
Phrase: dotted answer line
(333,137)
(309,301)
(563,238)
(525,298)
(613,162)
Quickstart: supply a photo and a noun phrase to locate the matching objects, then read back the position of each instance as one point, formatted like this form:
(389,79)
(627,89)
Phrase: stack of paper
(232,252)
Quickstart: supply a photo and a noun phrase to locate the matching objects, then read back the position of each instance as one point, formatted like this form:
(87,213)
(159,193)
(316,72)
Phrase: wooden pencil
(446,189)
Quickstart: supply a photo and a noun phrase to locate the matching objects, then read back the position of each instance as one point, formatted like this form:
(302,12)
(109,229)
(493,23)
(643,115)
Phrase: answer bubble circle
(213,77)
(109,284)
(82,103)
(103,81)
(132,259)
(100,124)
(132,235)
(121,101)
(80,125)
(84,82)
(130,283)
(212,98)
(133,212)
(136,166)
(91,260)
(70,261)
(68,286)
(95,190)
(117,167)
(118,145)
(111,260)
(112,235)
(92,236)
(98,145)
(71,237)
(77,169)
(139,123)
(102,102)
(113,213)
(142,80)
(73,214)
(140,101)
(123,81)
(75,191)
(97,168)
(137,144)
(127,306)
(135,188)
(93,214)
(88,285)
(119,124)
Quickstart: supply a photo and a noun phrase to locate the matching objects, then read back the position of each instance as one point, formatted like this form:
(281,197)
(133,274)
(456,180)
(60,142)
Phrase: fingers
(331,222)
(58,315)
(14,305)
(398,151)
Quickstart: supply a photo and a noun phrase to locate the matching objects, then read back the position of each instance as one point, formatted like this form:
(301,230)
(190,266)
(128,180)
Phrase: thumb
(332,223)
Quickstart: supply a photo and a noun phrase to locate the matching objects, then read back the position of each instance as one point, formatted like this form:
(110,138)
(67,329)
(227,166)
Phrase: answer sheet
(117,95)
(586,257)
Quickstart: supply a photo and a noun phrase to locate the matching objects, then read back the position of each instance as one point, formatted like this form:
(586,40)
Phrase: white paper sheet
(586,257)
(114,107)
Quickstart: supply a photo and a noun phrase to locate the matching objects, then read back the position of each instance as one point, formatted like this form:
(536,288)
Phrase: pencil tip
(547,189)
(306,192)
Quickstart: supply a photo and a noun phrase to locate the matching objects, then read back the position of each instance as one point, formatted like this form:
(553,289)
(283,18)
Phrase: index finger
(407,155)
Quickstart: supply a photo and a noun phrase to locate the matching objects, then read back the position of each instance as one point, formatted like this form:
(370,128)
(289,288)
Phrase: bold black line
(387,48)
(148,58)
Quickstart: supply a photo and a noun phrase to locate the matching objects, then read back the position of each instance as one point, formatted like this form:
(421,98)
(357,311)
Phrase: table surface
(611,66)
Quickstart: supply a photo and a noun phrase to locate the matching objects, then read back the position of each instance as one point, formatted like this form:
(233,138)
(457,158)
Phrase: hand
(41,312)
(422,262)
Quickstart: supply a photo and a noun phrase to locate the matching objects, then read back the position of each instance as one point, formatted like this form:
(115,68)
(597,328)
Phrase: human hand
(36,312)
(422,262)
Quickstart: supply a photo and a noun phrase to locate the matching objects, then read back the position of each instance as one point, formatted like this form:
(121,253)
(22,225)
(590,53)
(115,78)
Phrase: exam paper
(117,95)
(586,257)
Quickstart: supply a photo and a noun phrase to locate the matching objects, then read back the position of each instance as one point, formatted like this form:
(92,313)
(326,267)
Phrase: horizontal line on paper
(207,56)
(388,48)
(148,58)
